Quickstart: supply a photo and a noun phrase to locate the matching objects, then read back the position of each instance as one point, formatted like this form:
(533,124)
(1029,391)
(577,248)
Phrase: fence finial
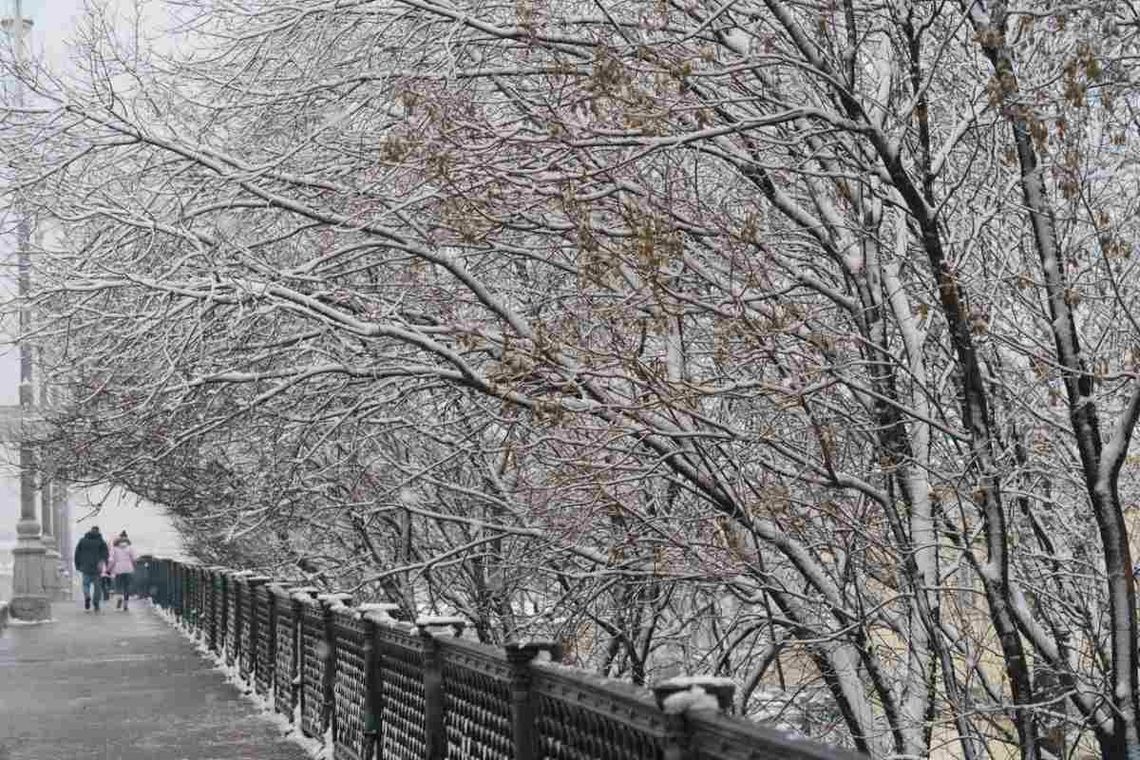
(427,624)
(685,693)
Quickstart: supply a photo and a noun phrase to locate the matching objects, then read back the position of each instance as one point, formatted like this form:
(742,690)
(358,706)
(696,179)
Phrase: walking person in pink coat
(122,566)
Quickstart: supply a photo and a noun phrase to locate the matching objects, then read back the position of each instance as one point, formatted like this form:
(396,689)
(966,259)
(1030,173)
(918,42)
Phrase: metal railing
(374,687)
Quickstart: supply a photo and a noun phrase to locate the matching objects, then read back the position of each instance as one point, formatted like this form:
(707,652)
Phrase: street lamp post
(30,600)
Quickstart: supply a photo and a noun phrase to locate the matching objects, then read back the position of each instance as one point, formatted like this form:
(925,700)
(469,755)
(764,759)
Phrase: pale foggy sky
(49,15)
(53,19)
(53,22)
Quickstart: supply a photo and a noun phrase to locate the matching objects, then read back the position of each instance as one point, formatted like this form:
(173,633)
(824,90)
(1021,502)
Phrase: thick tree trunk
(1100,472)
(975,413)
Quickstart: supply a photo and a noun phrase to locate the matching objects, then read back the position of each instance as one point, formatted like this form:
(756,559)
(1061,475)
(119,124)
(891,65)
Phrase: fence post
(203,601)
(232,642)
(164,579)
(223,600)
(247,663)
(171,590)
(265,676)
(200,598)
(522,708)
(212,585)
(374,615)
(328,679)
(677,696)
(197,601)
(297,684)
(328,654)
(157,596)
(284,605)
(372,693)
(435,730)
(178,589)
(186,585)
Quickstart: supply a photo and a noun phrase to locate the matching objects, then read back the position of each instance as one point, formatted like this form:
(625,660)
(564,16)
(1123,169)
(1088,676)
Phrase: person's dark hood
(93,533)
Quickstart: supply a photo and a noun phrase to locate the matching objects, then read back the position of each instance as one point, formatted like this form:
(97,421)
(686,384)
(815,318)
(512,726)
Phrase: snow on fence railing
(368,686)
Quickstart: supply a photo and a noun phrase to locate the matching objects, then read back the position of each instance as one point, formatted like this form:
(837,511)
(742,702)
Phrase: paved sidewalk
(122,686)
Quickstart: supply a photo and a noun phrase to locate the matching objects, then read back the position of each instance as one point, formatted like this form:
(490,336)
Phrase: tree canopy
(793,341)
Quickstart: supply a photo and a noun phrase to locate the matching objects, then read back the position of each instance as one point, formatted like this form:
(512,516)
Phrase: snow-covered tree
(793,341)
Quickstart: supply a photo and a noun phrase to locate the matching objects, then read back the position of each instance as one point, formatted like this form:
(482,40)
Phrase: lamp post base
(30,594)
(30,609)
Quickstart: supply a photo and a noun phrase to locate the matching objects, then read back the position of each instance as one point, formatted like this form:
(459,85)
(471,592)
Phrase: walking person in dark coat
(91,555)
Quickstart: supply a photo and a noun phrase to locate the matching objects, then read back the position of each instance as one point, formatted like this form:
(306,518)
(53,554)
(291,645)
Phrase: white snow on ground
(232,673)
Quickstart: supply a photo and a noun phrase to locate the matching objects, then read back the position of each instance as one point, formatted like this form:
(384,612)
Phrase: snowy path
(122,686)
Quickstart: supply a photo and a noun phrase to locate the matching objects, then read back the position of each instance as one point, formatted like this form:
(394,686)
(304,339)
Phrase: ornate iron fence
(376,688)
